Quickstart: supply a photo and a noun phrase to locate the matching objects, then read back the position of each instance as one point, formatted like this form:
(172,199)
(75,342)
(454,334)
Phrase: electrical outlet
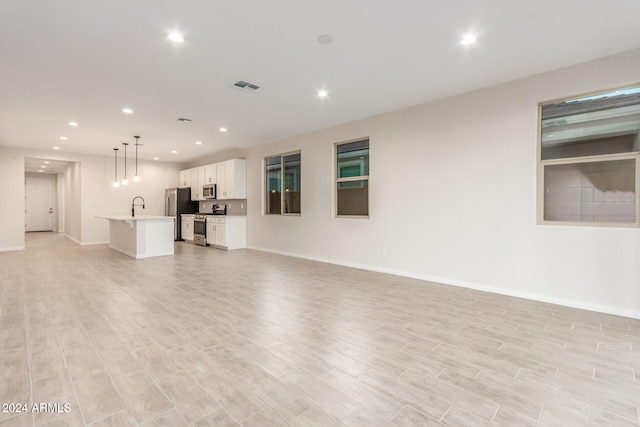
(384,251)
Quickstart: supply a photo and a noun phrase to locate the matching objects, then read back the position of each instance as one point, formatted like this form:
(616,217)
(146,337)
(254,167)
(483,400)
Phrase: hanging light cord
(115,162)
(125,160)
(137,138)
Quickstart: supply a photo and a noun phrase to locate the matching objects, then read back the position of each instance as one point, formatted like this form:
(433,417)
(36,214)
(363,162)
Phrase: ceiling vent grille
(245,86)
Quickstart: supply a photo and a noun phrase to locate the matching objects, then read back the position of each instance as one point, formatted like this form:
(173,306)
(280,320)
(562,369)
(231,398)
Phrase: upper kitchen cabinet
(231,179)
(197,181)
(210,172)
(185,179)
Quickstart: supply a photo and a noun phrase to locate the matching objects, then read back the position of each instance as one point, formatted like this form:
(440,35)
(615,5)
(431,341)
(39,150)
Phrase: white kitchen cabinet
(210,172)
(220,235)
(197,181)
(232,179)
(221,181)
(216,235)
(184,180)
(187,227)
(228,232)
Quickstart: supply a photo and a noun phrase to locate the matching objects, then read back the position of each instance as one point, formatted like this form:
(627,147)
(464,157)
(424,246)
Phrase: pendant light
(125,181)
(136,178)
(116,184)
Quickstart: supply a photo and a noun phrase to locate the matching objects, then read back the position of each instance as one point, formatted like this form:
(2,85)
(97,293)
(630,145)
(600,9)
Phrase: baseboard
(633,314)
(72,239)
(14,248)
(86,243)
(106,242)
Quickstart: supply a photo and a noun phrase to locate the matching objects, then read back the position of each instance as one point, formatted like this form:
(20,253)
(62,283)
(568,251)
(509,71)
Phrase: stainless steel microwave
(209,191)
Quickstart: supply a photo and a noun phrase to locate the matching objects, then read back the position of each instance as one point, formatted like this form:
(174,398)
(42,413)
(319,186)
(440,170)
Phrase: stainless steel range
(200,229)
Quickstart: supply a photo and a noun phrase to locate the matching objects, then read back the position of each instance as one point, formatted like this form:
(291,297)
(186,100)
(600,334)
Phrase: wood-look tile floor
(215,338)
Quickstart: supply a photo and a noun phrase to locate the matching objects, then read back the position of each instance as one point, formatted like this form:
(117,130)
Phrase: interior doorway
(44,204)
(39,203)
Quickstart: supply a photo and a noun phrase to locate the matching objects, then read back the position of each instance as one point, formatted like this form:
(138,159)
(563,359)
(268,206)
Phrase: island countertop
(133,218)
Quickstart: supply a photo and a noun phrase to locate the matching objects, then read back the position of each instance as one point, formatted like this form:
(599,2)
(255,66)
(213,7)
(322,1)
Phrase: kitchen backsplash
(234,207)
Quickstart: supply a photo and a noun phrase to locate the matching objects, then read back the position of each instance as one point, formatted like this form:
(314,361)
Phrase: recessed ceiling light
(40,170)
(156,158)
(64,138)
(198,142)
(323,93)
(223,129)
(56,147)
(468,39)
(46,162)
(127,110)
(43,166)
(174,152)
(73,123)
(176,37)
(325,39)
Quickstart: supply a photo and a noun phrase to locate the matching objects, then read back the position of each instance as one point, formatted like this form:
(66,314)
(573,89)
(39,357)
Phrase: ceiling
(84,61)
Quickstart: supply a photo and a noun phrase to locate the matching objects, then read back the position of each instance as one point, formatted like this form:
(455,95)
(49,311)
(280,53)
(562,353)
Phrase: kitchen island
(141,236)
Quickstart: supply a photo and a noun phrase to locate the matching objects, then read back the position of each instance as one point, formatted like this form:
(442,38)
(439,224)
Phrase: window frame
(282,184)
(595,158)
(337,179)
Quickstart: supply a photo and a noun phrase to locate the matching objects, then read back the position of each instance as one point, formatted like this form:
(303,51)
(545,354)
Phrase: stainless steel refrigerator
(178,201)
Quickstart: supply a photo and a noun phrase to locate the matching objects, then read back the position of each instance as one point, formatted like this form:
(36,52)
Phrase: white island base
(141,236)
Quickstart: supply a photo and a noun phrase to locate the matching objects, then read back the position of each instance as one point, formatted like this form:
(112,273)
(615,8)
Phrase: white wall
(234,153)
(87,193)
(453,198)
(73,201)
(60,206)
(11,201)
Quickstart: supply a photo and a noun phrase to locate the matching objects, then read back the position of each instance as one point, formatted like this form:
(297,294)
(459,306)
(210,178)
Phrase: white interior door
(39,204)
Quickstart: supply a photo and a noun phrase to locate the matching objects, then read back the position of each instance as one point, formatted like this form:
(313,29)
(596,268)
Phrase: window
(588,165)
(352,178)
(282,184)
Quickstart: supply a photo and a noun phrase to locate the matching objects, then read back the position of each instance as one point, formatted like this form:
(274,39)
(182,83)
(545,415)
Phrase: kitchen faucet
(133,205)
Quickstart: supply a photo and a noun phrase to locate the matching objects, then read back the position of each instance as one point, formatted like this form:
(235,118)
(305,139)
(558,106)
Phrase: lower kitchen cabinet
(227,232)
(216,235)
(187,227)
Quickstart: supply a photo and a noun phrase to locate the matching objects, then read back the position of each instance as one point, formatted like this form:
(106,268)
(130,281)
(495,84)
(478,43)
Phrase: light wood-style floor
(215,338)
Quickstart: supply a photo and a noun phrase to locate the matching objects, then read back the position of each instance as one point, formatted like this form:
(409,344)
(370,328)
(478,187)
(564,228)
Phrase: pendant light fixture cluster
(125,180)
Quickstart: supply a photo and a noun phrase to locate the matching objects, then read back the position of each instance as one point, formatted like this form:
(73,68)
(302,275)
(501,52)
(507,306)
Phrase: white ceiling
(86,60)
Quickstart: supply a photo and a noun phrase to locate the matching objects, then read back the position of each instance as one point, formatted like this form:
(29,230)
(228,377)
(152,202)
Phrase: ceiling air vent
(245,86)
